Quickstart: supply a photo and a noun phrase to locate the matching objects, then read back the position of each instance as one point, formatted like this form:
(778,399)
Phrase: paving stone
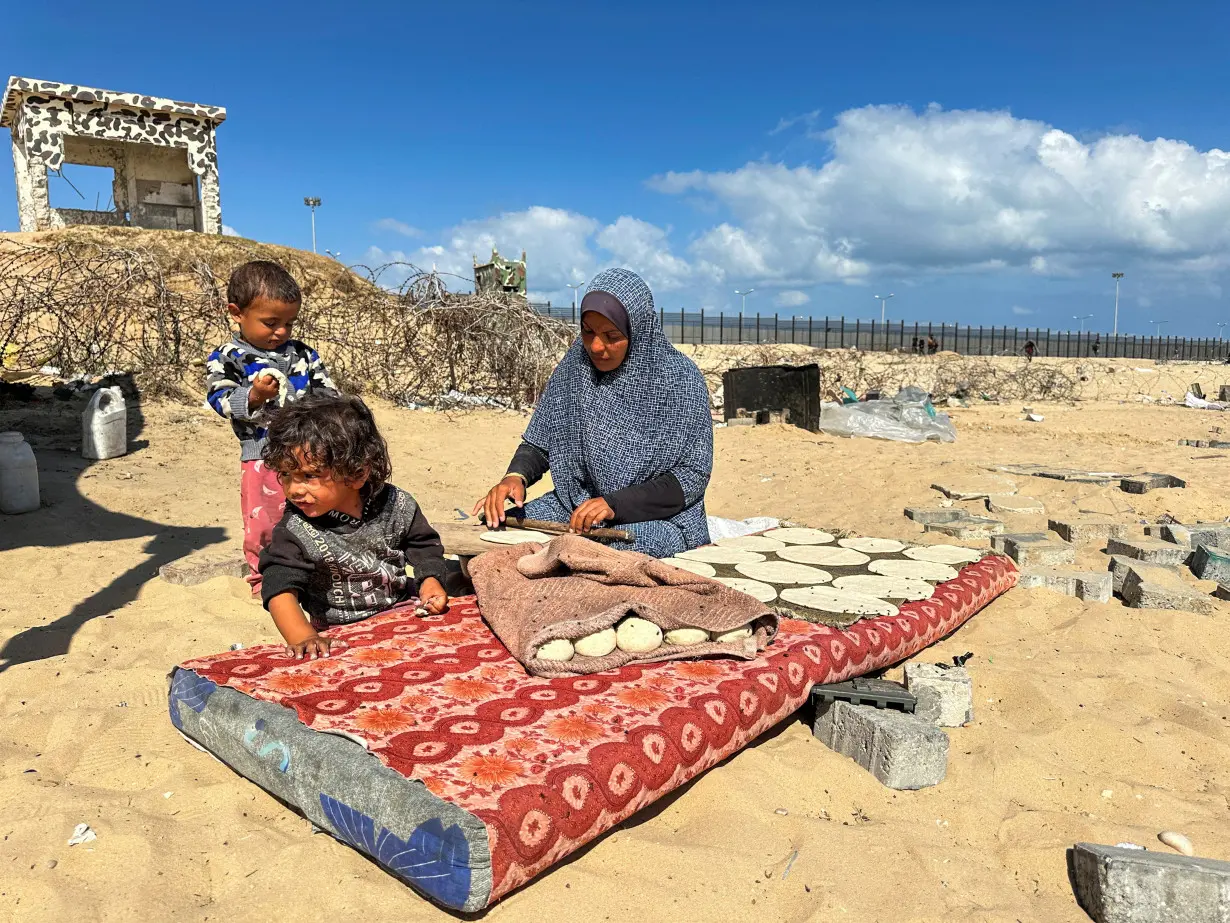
(1143,483)
(1149,550)
(970,527)
(1216,534)
(975,490)
(1040,554)
(950,703)
(902,751)
(999,541)
(925,515)
(198,568)
(1115,885)
(1150,586)
(1222,591)
(1118,568)
(1211,563)
(1223,393)
(1090,586)
(1088,531)
(1008,503)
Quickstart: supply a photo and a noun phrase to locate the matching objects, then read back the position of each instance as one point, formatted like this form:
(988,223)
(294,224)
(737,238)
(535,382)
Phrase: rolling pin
(513,521)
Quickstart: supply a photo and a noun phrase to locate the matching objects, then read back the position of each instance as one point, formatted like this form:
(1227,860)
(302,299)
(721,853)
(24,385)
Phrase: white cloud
(393,226)
(228,231)
(644,247)
(791,298)
(1020,311)
(807,120)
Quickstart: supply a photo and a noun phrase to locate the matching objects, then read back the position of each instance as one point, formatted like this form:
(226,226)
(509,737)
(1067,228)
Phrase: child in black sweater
(349,545)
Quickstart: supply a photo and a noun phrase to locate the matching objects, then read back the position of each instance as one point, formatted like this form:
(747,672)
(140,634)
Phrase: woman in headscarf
(624,428)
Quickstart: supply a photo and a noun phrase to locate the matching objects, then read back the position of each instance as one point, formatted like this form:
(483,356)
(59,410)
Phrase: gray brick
(1216,534)
(1088,531)
(968,528)
(999,541)
(1014,503)
(198,568)
(1040,554)
(1116,885)
(1149,586)
(1118,568)
(902,751)
(927,515)
(1149,550)
(1143,483)
(1211,563)
(974,491)
(1223,393)
(1222,591)
(951,702)
(1090,586)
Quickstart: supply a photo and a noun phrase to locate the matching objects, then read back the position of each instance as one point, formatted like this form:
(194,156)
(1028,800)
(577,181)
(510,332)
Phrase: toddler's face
(315,491)
(265,323)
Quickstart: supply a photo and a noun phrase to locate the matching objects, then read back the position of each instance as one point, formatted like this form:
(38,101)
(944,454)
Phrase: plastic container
(104,425)
(18,475)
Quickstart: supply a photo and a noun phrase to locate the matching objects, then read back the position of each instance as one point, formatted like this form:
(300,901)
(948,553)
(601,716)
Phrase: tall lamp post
(1116,276)
(1158,324)
(1082,318)
(312,202)
(744,294)
(883,304)
(574,287)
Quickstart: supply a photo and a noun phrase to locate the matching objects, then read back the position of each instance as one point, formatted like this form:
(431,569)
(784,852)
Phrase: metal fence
(839,333)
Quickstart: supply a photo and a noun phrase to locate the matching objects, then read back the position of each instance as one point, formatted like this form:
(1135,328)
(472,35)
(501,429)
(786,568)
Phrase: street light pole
(883,304)
(574,294)
(1159,323)
(744,294)
(312,202)
(1116,276)
(1082,318)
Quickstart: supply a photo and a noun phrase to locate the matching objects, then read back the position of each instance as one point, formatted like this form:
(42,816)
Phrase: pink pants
(262,501)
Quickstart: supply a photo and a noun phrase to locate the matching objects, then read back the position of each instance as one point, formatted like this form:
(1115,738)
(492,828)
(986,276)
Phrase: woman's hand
(432,596)
(492,505)
(314,646)
(589,514)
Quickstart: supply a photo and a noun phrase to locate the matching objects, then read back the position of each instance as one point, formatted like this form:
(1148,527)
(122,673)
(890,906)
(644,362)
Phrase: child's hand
(432,596)
(314,646)
(264,388)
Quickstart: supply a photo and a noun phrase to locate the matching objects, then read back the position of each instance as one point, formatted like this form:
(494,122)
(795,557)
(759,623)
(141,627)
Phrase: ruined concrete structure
(162,152)
(500,275)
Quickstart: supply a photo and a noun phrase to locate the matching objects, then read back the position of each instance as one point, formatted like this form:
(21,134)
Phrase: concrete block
(1118,568)
(1088,531)
(1090,586)
(1149,586)
(1211,563)
(902,751)
(925,515)
(1116,885)
(1222,591)
(1143,483)
(1149,550)
(999,541)
(1040,554)
(979,490)
(1216,534)
(198,568)
(951,702)
(1009,503)
(968,528)
(1223,393)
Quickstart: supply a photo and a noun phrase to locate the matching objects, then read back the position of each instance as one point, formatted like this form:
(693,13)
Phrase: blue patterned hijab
(606,431)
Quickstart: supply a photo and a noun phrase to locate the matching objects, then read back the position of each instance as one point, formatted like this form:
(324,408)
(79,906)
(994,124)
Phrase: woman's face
(605,343)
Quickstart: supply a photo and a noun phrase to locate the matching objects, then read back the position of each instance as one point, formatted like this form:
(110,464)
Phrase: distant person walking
(1030,348)
(1096,344)
(933,345)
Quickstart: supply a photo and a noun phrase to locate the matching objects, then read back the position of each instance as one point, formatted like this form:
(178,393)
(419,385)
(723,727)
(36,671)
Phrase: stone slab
(1115,885)
(198,568)
(1222,591)
(1009,503)
(951,702)
(999,541)
(1087,531)
(1149,550)
(975,490)
(1150,586)
(926,515)
(1118,569)
(1211,563)
(971,527)
(1040,554)
(1090,586)
(1143,483)
(1216,534)
(1223,393)
(902,751)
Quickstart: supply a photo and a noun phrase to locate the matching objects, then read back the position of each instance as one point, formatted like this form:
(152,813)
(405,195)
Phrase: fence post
(776,337)
(810,329)
(757,328)
(740,340)
(858,332)
(842,334)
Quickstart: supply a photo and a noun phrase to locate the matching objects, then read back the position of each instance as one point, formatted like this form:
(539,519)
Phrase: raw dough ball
(599,644)
(560,649)
(873,545)
(637,636)
(886,587)
(751,543)
(696,567)
(838,602)
(799,536)
(829,557)
(753,588)
(920,570)
(711,554)
(687,636)
(515,537)
(944,554)
(784,572)
(737,634)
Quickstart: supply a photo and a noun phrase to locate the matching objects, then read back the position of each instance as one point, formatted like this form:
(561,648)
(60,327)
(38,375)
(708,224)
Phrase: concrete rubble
(1009,503)
(967,527)
(998,542)
(1090,586)
(1040,554)
(1149,550)
(1118,885)
(1151,586)
(1087,531)
(902,751)
(1143,483)
(945,694)
(1211,563)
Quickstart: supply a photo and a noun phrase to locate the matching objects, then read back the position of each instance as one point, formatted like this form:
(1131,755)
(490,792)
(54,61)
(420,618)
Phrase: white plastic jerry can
(104,425)
(18,475)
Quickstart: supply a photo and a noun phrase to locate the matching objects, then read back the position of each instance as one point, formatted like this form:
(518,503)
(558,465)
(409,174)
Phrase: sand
(1072,700)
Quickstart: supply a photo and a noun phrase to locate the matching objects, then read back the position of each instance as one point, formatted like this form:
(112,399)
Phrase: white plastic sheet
(907,417)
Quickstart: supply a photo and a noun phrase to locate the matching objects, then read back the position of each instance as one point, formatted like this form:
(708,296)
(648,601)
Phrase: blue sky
(986,163)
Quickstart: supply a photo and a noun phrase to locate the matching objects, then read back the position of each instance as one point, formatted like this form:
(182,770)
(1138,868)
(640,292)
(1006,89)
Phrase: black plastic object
(880,693)
(795,388)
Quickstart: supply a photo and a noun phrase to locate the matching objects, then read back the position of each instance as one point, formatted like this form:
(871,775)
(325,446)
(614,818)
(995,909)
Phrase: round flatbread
(872,545)
(710,554)
(944,554)
(824,556)
(699,568)
(800,536)
(784,572)
(751,543)
(837,602)
(920,570)
(515,537)
(753,588)
(886,587)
